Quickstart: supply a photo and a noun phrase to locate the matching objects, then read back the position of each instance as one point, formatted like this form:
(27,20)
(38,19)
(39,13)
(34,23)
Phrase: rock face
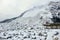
(55,10)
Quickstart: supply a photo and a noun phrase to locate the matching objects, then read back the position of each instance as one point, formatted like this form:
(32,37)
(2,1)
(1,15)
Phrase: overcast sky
(13,8)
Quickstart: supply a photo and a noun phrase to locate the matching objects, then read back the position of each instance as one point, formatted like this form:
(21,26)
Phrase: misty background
(13,8)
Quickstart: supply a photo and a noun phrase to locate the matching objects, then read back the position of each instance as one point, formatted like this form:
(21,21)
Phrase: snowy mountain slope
(42,15)
(22,14)
(27,12)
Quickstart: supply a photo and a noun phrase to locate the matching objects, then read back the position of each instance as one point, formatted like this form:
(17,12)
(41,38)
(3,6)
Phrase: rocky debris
(56,38)
(54,8)
(56,33)
(32,35)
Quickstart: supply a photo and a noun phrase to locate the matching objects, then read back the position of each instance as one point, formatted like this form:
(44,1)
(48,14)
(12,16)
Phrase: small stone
(41,17)
(25,37)
(18,37)
(45,38)
(37,27)
(17,34)
(56,38)
(34,38)
(31,28)
(29,36)
(40,39)
(9,37)
(4,34)
(34,33)
(29,31)
(40,34)
(56,33)
(45,32)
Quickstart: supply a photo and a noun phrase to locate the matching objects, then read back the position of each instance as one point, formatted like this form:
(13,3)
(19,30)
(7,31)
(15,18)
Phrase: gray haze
(13,8)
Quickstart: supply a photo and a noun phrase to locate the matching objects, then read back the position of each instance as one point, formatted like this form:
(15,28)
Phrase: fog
(13,8)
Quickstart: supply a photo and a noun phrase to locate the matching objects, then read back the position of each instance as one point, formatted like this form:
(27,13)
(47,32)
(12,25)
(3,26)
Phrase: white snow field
(30,28)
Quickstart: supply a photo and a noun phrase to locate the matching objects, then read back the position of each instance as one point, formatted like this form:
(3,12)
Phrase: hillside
(30,28)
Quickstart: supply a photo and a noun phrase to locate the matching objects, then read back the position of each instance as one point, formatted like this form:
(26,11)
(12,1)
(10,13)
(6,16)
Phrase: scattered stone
(25,37)
(33,37)
(40,39)
(28,36)
(29,31)
(40,34)
(9,37)
(4,34)
(56,33)
(31,28)
(34,34)
(56,38)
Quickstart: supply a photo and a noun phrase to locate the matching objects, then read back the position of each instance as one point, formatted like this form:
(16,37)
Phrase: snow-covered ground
(31,34)
(30,28)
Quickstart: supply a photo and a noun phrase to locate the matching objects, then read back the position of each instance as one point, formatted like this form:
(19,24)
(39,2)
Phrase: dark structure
(55,11)
(55,19)
(52,26)
(55,24)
